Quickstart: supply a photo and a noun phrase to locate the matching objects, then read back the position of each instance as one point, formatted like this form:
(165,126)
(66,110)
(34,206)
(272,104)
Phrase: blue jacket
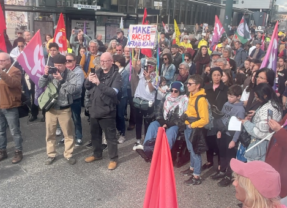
(240,57)
(169,74)
(125,82)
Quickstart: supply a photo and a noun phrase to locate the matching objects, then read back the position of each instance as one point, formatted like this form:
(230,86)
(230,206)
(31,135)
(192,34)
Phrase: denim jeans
(10,117)
(76,108)
(120,118)
(195,159)
(171,133)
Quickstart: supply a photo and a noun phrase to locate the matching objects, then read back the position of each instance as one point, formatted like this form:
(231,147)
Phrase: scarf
(200,61)
(182,78)
(171,103)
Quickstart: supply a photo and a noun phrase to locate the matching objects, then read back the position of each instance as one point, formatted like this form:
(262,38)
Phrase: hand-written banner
(142,36)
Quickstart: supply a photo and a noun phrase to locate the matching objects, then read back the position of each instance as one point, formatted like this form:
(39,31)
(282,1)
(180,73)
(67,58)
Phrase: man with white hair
(104,85)
(10,92)
(87,61)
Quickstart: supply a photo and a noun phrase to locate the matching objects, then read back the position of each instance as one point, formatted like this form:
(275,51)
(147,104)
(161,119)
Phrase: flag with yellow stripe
(177,33)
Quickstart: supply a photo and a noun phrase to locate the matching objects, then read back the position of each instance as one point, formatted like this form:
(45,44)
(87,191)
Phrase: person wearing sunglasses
(76,105)
(201,118)
(167,69)
(145,92)
(168,113)
(119,49)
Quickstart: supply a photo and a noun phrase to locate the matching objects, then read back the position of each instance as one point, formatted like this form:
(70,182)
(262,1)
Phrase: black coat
(259,55)
(217,97)
(177,59)
(103,97)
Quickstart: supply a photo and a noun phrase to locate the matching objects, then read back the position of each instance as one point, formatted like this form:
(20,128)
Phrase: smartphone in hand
(93,70)
(269,115)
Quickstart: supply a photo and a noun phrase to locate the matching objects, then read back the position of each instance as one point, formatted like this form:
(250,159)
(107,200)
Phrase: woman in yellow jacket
(195,88)
(185,42)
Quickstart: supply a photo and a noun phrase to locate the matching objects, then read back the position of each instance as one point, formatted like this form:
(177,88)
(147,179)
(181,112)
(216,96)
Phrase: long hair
(227,72)
(265,93)
(253,199)
(110,48)
(269,74)
(251,85)
(199,53)
(169,57)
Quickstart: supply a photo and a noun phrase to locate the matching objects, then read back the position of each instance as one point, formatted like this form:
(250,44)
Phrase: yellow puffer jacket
(202,110)
(185,45)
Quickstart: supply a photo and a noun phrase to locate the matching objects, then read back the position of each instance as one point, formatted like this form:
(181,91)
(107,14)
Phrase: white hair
(95,42)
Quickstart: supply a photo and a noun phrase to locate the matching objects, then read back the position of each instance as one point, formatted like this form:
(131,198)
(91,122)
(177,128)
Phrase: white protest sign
(142,36)
(204,29)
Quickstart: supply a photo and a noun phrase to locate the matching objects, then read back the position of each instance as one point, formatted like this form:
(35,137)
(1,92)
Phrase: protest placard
(142,36)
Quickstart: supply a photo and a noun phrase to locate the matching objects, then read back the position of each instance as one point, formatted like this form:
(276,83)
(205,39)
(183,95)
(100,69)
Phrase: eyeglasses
(189,84)
(69,61)
(104,62)
(174,91)
(4,60)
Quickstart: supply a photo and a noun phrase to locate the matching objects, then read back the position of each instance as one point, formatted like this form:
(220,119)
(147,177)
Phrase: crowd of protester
(193,92)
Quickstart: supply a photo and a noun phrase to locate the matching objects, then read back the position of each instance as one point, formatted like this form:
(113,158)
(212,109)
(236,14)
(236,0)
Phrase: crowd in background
(194,92)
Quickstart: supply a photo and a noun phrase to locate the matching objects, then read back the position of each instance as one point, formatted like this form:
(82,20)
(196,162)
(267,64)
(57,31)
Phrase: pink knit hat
(264,177)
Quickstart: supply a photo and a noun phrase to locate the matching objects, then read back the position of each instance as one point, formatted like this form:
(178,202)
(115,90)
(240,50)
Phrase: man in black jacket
(104,86)
(177,57)
(120,38)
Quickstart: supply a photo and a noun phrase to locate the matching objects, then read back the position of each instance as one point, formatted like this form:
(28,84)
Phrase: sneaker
(112,165)
(187,172)
(33,118)
(196,181)
(206,166)
(50,160)
(3,154)
(218,175)
(78,142)
(104,146)
(226,181)
(71,161)
(122,139)
(143,155)
(18,156)
(89,145)
(58,132)
(137,146)
(62,141)
(189,181)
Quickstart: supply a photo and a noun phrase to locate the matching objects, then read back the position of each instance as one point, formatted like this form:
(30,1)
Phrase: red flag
(32,58)
(144,17)
(60,35)
(2,31)
(145,51)
(161,189)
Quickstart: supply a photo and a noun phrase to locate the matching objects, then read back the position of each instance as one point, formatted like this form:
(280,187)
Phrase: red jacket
(277,155)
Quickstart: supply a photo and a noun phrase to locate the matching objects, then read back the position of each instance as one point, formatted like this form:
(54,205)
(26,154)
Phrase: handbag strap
(196,104)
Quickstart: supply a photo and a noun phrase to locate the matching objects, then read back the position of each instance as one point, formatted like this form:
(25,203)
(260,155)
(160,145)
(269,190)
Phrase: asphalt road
(31,184)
